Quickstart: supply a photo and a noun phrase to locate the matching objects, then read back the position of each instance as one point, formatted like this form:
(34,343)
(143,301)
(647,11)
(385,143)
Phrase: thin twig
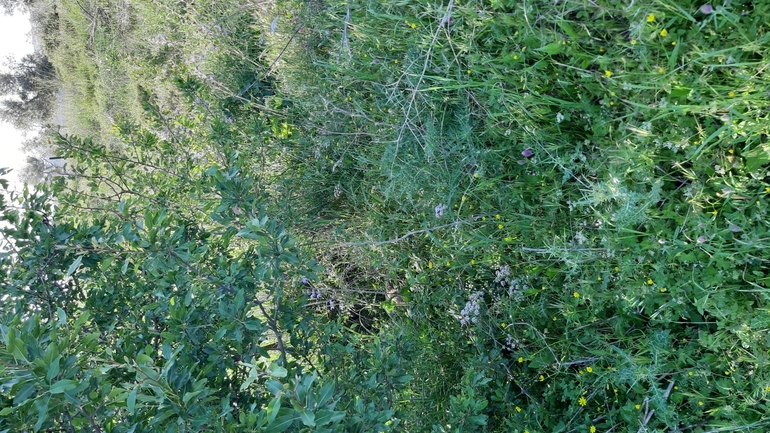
(412,233)
(548,250)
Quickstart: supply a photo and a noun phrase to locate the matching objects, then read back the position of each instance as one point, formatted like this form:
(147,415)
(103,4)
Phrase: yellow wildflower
(650,18)
(593,429)
(582,401)
(590,369)
(664,33)
(608,73)
(576,294)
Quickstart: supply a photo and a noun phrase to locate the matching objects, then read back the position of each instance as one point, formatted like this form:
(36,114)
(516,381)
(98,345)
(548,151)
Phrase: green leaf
(552,48)
(307,417)
(42,413)
(280,424)
(239,301)
(124,268)
(673,57)
(404,379)
(131,401)
(7,410)
(24,393)
(143,359)
(757,157)
(277,371)
(63,385)
(18,350)
(51,352)
(323,417)
(189,395)
(325,393)
(53,369)
(62,316)
(82,319)
(388,305)
(479,420)
(274,386)
(273,408)
(568,29)
(74,265)
(221,333)
(700,304)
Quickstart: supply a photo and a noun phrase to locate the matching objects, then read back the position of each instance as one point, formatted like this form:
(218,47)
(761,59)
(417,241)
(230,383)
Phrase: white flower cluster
(501,275)
(511,343)
(515,287)
(439,209)
(470,313)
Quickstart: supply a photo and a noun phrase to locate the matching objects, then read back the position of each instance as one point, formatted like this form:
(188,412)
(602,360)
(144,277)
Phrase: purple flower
(527,153)
(702,239)
(706,9)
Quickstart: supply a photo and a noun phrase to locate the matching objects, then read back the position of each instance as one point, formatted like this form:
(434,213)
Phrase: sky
(13,41)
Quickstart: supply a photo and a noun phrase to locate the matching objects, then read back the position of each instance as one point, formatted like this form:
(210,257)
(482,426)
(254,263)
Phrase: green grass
(607,162)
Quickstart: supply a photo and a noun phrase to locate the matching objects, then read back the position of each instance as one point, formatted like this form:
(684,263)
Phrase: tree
(137,316)
(11,6)
(29,87)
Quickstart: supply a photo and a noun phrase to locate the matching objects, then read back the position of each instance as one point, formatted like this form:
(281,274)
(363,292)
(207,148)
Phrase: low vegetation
(397,216)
